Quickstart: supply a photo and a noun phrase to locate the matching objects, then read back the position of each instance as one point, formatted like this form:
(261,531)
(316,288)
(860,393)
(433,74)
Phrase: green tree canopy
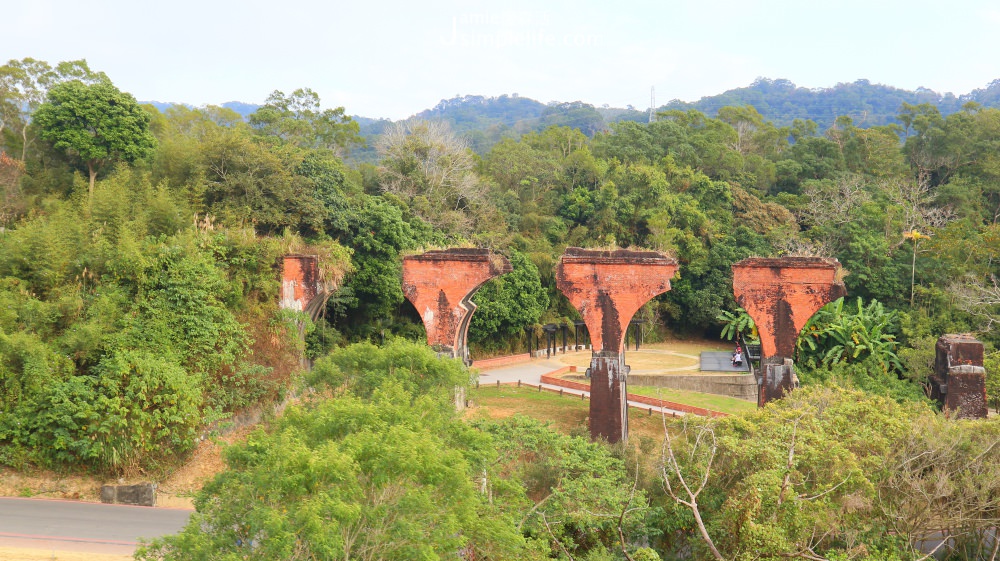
(95,124)
(299,120)
(509,302)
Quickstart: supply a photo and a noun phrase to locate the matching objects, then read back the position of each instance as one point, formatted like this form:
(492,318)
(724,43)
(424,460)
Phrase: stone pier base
(608,375)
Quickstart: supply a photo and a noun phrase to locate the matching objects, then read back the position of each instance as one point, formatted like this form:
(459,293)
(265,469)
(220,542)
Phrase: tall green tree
(94,124)
(299,119)
(23,87)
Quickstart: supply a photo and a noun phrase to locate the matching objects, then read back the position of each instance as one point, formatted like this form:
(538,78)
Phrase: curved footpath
(532,372)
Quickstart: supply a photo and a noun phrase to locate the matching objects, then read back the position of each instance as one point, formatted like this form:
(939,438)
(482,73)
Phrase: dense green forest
(139,255)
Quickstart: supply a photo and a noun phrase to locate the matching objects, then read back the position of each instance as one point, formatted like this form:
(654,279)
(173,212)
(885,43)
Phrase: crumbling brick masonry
(440,284)
(959,379)
(781,295)
(299,281)
(608,288)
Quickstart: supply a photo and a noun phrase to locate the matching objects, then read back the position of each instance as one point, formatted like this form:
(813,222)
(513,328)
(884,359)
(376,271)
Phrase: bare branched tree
(979,298)
(12,203)
(837,205)
(432,168)
(915,200)
(685,484)
(796,246)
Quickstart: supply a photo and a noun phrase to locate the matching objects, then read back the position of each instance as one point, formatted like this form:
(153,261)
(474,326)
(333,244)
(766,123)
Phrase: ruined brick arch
(781,295)
(440,285)
(302,289)
(608,288)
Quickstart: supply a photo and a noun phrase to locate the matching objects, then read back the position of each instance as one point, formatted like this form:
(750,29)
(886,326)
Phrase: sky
(395,59)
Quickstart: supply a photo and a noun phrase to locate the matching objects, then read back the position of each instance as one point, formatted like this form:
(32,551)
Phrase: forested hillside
(139,255)
(867,104)
(484,121)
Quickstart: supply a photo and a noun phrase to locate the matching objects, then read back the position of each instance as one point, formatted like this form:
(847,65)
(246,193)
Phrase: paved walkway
(721,362)
(84,527)
(531,373)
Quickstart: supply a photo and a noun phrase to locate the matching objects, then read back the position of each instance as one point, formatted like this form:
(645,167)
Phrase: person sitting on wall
(738,356)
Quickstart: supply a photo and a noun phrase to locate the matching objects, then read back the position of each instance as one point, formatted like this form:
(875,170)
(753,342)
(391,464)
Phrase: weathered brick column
(300,282)
(440,284)
(608,288)
(781,295)
(959,379)
(303,290)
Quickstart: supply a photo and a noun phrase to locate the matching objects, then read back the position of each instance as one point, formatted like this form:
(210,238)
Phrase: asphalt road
(66,525)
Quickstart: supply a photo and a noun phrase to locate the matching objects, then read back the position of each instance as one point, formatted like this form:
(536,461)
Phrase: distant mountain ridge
(485,120)
(244,109)
(780,101)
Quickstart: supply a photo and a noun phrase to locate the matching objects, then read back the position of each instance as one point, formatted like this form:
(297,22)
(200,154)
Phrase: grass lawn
(720,403)
(566,413)
(671,357)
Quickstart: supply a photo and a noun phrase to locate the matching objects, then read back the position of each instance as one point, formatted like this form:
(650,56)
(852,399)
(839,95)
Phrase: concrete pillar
(781,295)
(959,379)
(440,284)
(608,288)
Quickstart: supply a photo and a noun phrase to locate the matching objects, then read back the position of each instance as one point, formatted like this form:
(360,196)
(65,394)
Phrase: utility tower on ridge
(652,103)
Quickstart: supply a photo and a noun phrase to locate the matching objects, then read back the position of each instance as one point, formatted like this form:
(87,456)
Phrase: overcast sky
(394,59)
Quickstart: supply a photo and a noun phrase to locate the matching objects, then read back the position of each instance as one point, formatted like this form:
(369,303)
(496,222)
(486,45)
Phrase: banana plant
(838,334)
(735,323)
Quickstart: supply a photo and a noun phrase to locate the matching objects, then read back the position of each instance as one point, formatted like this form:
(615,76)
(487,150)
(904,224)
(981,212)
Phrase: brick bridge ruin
(781,295)
(959,379)
(440,285)
(303,287)
(608,288)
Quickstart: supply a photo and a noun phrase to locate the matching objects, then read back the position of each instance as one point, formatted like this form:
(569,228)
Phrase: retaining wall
(740,386)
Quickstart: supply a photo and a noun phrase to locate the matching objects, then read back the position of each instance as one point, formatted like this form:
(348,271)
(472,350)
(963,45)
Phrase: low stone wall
(142,494)
(740,386)
(552,379)
(564,370)
(500,361)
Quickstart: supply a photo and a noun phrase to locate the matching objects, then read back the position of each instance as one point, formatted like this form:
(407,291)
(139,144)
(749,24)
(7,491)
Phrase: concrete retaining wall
(740,386)
(142,494)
